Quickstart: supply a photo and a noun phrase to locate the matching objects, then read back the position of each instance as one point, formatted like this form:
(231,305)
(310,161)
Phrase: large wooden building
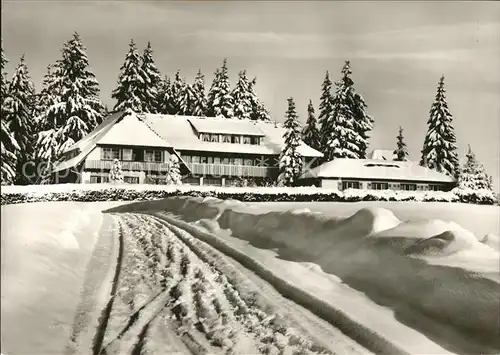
(211,151)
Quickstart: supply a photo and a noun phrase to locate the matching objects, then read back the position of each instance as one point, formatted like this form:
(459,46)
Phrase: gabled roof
(132,131)
(180,132)
(88,143)
(226,126)
(376,170)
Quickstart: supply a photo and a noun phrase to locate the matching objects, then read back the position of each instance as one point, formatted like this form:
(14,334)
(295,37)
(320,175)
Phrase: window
(379,186)
(409,187)
(235,139)
(350,185)
(110,153)
(210,160)
(195,159)
(226,138)
(248,162)
(237,161)
(187,158)
(152,156)
(214,138)
(131,179)
(433,187)
(191,181)
(212,181)
(97,179)
(216,160)
(226,161)
(127,154)
(247,140)
(205,137)
(255,140)
(204,160)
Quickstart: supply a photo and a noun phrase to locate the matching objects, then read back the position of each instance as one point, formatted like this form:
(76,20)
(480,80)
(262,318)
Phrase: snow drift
(436,276)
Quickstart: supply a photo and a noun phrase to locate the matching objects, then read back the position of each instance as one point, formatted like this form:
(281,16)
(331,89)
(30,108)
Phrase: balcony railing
(231,170)
(195,168)
(127,165)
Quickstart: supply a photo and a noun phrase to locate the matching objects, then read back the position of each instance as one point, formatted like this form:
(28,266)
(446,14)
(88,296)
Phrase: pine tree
(20,106)
(310,133)
(199,100)
(79,109)
(116,174)
(440,150)
(325,109)
(259,110)
(8,145)
(472,175)
(242,97)
(290,163)
(165,97)
(152,80)
(129,91)
(174,171)
(220,100)
(347,126)
(181,96)
(401,152)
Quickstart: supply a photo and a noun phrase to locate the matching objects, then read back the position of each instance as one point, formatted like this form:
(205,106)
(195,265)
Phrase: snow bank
(433,274)
(129,192)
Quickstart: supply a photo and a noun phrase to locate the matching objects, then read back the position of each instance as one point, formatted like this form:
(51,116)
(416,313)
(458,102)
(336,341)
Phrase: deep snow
(432,275)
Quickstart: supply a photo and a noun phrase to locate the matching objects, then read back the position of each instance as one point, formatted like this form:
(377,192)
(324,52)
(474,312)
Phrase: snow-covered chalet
(211,151)
(380,172)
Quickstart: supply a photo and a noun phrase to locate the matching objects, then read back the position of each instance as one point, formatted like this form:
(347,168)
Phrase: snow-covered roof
(88,143)
(225,126)
(382,154)
(376,169)
(180,132)
(132,131)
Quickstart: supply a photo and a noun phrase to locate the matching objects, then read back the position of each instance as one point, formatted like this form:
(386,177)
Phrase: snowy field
(201,276)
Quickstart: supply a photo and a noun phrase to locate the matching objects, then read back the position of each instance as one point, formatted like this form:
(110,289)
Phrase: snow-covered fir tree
(19,115)
(9,149)
(242,96)
(259,110)
(181,96)
(165,105)
(129,92)
(325,109)
(174,171)
(440,150)
(199,99)
(290,161)
(116,173)
(220,101)
(401,152)
(473,175)
(9,146)
(152,81)
(310,133)
(79,109)
(347,126)
(69,103)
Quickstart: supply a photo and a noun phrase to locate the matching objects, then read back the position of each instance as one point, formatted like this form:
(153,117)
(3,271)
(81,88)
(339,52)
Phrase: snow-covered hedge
(129,192)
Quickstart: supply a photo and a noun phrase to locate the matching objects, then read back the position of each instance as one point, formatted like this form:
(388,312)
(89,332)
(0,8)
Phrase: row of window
(197,159)
(129,154)
(96,179)
(229,138)
(385,186)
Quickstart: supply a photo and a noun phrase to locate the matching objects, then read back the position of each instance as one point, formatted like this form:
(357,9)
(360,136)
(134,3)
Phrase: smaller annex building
(376,174)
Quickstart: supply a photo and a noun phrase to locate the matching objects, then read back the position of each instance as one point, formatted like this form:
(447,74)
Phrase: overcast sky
(397,51)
